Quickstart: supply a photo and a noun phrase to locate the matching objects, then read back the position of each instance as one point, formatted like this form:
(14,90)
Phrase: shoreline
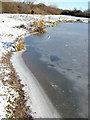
(40,105)
(11,34)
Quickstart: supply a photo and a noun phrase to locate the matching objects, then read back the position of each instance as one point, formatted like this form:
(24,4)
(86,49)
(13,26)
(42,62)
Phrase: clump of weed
(40,26)
(21,26)
(20,46)
(79,20)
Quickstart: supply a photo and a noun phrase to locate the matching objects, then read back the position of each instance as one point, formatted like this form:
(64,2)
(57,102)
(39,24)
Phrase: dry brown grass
(40,26)
(20,109)
(20,45)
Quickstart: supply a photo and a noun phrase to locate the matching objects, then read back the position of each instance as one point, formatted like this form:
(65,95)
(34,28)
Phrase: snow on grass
(8,34)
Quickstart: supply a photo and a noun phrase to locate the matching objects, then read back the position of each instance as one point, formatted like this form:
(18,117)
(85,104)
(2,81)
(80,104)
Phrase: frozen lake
(59,61)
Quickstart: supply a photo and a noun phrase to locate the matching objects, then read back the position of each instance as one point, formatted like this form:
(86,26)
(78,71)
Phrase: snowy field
(8,34)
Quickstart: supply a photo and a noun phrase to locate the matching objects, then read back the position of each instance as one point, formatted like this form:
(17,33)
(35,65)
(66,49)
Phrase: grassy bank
(16,107)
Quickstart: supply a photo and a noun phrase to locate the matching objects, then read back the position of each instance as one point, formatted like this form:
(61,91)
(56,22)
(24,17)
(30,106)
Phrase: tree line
(76,12)
(29,8)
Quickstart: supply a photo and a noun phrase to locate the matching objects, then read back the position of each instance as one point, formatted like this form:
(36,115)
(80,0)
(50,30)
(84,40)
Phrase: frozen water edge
(39,102)
(8,33)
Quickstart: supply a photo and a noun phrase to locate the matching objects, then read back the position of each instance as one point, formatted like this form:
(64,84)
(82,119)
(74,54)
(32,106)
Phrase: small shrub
(78,20)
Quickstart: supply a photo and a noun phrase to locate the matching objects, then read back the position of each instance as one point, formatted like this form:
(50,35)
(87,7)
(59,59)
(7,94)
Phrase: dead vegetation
(16,108)
(40,26)
(22,7)
(20,45)
(21,26)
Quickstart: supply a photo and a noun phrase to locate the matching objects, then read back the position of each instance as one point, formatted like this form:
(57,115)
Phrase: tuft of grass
(40,26)
(59,21)
(21,26)
(20,46)
(71,21)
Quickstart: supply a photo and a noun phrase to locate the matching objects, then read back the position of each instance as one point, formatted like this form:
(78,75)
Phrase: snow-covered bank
(39,102)
(8,34)
(31,18)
